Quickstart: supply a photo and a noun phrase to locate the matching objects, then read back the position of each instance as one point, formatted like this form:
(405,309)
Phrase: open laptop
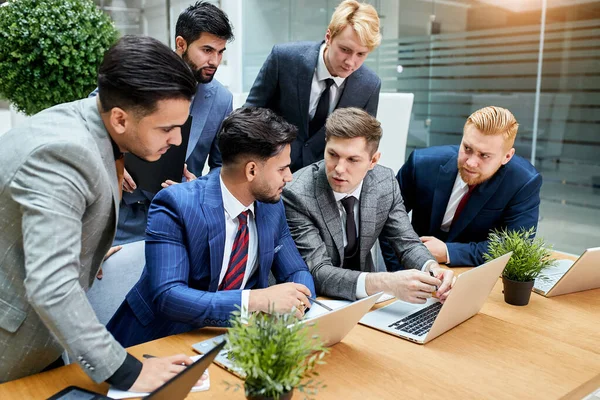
(176,388)
(568,276)
(331,326)
(421,323)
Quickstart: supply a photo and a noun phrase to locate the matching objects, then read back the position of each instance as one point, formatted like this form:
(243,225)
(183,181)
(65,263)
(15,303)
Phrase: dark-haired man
(337,208)
(211,243)
(59,196)
(201,34)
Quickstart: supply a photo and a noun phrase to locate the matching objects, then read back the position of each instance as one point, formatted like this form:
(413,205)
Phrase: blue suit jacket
(510,199)
(185,241)
(211,104)
(283,85)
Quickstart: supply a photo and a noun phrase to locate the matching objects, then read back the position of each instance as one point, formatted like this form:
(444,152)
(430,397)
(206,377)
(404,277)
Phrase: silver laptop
(568,276)
(421,323)
(331,326)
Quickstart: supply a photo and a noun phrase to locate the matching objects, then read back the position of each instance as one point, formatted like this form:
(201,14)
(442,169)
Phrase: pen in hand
(433,276)
(320,303)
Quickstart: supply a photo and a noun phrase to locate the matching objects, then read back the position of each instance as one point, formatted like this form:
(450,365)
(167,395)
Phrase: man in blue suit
(202,31)
(212,242)
(458,194)
(306,81)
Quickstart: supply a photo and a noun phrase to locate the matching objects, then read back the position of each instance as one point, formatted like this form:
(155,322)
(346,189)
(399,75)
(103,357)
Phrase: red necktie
(463,202)
(239,256)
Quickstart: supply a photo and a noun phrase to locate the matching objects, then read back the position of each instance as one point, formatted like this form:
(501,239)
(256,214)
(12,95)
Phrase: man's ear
(119,120)
(328,37)
(508,156)
(180,45)
(375,159)
(251,171)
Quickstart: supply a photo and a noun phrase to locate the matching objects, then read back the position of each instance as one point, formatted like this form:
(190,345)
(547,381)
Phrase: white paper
(123,394)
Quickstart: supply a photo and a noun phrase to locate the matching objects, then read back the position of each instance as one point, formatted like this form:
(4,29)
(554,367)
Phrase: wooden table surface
(546,350)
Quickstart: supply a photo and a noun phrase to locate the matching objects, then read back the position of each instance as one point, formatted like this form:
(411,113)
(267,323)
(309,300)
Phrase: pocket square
(277,248)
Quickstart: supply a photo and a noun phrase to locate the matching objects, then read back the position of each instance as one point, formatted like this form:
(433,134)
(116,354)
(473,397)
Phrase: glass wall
(457,56)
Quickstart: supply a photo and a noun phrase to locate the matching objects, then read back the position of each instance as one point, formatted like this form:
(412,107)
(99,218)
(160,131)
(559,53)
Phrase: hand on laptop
(283,297)
(156,371)
(411,285)
(447,278)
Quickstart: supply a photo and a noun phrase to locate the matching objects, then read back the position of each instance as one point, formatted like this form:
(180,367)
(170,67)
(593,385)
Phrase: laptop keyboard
(546,284)
(419,322)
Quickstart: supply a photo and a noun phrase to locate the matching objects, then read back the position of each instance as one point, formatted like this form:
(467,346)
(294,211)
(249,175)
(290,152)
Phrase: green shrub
(530,256)
(50,51)
(275,353)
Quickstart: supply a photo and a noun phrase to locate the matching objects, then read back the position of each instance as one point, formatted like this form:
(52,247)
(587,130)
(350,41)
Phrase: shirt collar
(356,193)
(232,206)
(322,71)
(459,182)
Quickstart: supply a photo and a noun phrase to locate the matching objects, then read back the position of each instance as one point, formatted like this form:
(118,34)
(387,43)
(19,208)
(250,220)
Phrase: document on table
(123,394)
(317,310)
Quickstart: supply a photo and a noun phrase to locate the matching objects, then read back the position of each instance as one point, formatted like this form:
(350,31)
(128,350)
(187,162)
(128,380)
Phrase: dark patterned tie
(239,256)
(322,110)
(351,236)
(463,203)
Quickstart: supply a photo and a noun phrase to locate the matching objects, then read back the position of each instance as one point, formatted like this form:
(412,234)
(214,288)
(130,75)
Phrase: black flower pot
(517,293)
(285,396)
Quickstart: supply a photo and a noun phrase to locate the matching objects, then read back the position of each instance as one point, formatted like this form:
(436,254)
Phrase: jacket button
(305,144)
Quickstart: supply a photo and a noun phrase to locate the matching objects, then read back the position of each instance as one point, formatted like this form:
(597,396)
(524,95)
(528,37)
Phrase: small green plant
(275,353)
(530,255)
(50,51)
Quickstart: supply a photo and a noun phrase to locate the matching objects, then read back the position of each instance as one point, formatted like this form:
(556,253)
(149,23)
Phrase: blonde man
(305,81)
(459,193)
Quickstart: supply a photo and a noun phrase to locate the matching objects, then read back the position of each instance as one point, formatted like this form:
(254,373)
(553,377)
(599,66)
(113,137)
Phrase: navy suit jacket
(185,241)
(283,85)
(510,199)
(212,103)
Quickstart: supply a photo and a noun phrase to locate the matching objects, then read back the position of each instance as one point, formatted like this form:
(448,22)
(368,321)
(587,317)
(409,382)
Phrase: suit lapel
(479,197)
(329,210)
(265,244)
(199,110)
(306,70)
(352,91)
(443,190)
(368,214)
(215,223)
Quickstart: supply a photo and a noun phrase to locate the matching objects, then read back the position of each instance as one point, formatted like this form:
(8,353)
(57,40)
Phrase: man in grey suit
(305,81)
(59,197)
(337,208)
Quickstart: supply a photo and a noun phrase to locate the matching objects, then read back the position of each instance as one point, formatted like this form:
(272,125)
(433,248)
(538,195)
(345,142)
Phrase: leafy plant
(275,353)
(530,255)
(50,51)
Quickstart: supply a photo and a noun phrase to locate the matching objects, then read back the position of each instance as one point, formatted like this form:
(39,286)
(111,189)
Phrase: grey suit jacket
(315,223)
(283,85)
(57,221)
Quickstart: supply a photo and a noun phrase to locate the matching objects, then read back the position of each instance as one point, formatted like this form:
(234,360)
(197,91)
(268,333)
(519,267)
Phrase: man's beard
(262,194)
(197,71)
(473,181)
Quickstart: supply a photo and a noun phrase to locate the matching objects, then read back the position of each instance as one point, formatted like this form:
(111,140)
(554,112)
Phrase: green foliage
(50,51)
(276,354)
(530,256)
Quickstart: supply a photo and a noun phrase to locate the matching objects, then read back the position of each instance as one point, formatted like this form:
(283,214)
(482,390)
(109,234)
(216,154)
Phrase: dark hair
(139,71)
(203,17)
(253,131)
(351,122)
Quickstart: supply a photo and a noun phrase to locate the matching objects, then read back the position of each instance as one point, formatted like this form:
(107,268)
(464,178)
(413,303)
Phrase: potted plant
(530,257)
(275,354)
(50,51)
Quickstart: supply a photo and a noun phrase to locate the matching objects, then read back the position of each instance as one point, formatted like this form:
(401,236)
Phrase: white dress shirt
(233,208)
(459,190)
(318,86)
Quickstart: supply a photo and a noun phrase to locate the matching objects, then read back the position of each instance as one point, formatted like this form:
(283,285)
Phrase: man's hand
(447,278)
(158,370)
(128,183)
(410,285)
(186,174)
(436,247)
(110,252)
(283,298)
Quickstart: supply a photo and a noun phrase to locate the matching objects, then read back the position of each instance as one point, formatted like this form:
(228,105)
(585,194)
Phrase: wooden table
(546,350)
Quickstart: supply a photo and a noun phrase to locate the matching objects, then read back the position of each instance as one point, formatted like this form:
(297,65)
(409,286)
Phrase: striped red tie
(239,256)
(463,202)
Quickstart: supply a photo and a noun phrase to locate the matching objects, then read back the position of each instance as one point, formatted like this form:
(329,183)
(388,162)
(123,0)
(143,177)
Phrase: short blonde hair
(362,17)
(351,122)
(494,120)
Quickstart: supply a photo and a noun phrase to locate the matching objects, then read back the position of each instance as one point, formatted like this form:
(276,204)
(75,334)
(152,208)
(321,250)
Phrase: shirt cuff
(361,286)
(244,305)
(424,267)
(447,255)
(126,375)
